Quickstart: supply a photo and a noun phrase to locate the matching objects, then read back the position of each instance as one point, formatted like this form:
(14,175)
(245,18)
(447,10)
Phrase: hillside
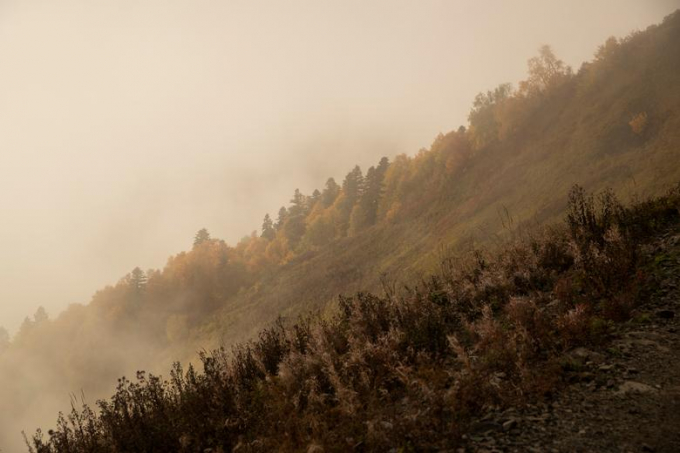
(412,370)
(623,395)
(613,123)
(509,170)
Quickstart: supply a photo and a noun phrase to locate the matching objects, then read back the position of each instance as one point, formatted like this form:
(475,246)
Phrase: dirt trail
(624,396)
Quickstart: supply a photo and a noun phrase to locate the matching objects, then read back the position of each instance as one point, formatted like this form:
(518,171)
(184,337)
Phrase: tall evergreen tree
(371,196)
(313,200)
(382,167)
(281,219)
(353,185)
(365,212)
(201,236)
(268,231)
(298,204)
(330,192)
(295,225)
(137,280)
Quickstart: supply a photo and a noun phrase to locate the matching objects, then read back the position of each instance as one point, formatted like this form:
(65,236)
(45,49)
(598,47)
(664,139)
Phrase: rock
(587,355)
(635,387)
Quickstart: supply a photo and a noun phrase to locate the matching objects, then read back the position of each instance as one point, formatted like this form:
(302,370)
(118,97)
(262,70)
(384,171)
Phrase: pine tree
(371,196)
(283,215)
(353,185)
(299,202)
(201,237)
(365,212)
(330,192)
(137,280)
(295,225)
(313,200)
(382,167)
(268,231)
(352,188)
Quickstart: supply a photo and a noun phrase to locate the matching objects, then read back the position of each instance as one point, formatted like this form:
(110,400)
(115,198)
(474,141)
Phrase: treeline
(195,283)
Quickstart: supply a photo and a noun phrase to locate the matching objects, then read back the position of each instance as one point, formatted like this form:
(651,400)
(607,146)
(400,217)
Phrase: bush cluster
(406,370)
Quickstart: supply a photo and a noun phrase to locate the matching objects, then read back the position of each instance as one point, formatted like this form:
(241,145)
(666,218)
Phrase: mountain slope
(614,123)
(577,132)
(408,371)
(623,395)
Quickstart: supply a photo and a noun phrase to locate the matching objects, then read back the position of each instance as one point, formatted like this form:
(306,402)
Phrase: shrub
(404,371)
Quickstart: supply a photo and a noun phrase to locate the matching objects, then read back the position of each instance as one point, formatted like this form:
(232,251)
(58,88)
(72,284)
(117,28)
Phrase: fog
(126,126)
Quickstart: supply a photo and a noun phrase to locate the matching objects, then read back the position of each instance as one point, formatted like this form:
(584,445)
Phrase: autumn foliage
(404,370)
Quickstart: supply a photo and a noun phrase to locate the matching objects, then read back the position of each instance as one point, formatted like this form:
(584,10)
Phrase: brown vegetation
(404,370)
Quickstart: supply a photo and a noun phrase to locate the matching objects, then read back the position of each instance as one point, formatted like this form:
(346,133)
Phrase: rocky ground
(623,396)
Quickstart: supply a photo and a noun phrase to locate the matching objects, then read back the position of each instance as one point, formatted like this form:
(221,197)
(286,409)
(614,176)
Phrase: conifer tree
(268,231)
(137,279)
(281,219)
(365,212)
(295,225)
(330,192)
(353,185)
(298,204)
(352,188)
(201,237)
(313,200)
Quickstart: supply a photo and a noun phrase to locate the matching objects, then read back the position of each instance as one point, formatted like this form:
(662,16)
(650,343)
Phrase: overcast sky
(125,126)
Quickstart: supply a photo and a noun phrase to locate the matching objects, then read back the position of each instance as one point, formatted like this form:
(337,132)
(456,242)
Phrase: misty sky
(125,126)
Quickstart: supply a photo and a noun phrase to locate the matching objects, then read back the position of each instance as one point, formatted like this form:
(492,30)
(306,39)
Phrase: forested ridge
(613,123)
(411,369)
